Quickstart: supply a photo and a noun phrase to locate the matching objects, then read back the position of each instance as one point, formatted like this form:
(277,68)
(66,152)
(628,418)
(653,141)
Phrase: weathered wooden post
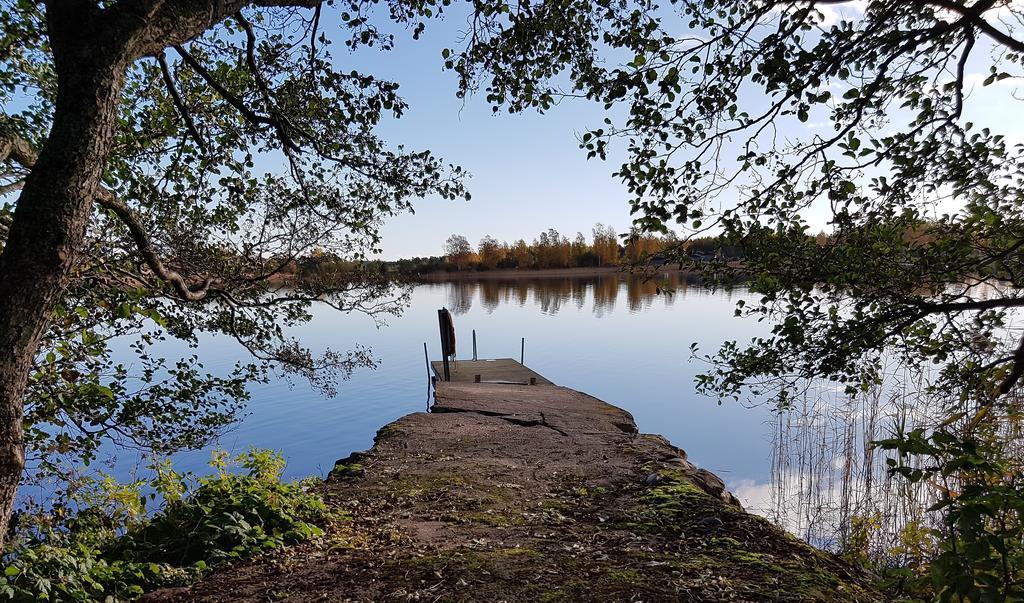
(445,345)
(476,378)
(522,350)
(474,345)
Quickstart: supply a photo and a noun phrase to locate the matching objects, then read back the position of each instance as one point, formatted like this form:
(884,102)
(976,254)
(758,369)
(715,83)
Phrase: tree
(132,130)
(880,283)
(641,246)
(521,254)
(693,137)
(458,251)
(489,252)
(924,206)
(551,249)
(606,244)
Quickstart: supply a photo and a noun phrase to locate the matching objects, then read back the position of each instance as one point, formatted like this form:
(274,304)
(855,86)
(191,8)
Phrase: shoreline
(532,493)
(542,273)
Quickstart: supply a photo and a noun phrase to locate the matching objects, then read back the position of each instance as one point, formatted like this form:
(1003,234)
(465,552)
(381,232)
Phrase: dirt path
(532,493)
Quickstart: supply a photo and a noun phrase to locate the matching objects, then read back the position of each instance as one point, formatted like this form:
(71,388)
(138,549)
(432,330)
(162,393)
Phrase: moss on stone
(675,501)
(623,577)
(387,432)
(346,471)
(571,590)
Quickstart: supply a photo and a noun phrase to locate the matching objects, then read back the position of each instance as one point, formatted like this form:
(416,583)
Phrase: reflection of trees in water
(492,294)
(640,292)
(549,294)
(460,296)
(606,291)
(521,289)
(552,294)
(579,292)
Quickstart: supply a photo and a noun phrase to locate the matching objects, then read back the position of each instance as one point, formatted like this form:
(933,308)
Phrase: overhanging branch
(20,151)
(179,103)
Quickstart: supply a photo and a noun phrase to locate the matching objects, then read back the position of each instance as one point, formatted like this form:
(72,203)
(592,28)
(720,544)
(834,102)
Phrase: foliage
(195,221)
(458,251)
(981,494)
(109,548)
(705,89)
(753,120)
(551,249)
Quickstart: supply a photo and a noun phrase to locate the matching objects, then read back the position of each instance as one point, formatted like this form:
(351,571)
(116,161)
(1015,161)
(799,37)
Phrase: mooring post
(474,345)
(476,378)
(522,350)
(445,345)
(426,358)
(533,381)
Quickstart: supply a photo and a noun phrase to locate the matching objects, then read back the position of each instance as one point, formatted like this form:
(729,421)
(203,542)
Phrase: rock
(681,464)
(653,480)
(709,482)
(708,524)
(488,501)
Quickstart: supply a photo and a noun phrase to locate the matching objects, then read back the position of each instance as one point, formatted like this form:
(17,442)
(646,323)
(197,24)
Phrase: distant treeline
(552,250)
(549,250)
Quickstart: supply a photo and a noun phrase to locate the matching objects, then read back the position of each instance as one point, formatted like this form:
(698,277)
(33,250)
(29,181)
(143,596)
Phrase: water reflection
(552,293)
(613,336)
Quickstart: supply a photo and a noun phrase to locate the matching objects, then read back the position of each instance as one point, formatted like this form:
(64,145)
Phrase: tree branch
(1015,372)
(313,33)
(179,103)
(154,25)
(19,150)
(233,100)
(11,187)
(108,200)
(973,14)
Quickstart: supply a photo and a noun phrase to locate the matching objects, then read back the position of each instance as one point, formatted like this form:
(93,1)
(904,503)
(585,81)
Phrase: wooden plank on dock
(498,370)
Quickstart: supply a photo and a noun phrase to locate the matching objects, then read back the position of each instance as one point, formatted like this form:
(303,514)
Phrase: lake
(612,336)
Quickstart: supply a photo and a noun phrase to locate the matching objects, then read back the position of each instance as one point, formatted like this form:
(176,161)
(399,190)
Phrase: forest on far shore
(549,250)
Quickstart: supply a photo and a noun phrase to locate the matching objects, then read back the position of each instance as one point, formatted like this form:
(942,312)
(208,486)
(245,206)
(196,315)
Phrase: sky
(527,172)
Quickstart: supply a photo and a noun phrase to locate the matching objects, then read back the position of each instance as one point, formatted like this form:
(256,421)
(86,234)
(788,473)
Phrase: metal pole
(445,346)
(474,344)
(426,358)
(522,350)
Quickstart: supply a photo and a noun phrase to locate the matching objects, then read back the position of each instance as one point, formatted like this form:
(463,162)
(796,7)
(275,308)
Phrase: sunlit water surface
(614,337)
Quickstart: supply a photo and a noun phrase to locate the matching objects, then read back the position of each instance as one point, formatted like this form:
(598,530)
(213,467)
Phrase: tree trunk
(51,217)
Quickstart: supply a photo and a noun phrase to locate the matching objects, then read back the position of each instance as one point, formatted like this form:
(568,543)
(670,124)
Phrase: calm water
(613,337)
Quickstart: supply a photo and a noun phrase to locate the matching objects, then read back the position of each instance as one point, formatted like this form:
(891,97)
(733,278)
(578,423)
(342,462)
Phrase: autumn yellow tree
(606,244)
(489,253)
(458,252)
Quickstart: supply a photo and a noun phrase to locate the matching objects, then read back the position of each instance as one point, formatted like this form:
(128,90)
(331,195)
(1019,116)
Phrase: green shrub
(980,485)
(109,550)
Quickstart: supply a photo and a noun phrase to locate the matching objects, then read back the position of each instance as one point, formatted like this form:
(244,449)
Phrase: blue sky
(528,173)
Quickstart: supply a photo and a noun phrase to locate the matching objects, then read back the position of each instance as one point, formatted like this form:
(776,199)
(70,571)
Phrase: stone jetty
(532,493)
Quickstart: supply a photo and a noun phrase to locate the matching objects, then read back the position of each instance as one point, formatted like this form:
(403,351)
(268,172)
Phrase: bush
(980,485)
(203,522)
